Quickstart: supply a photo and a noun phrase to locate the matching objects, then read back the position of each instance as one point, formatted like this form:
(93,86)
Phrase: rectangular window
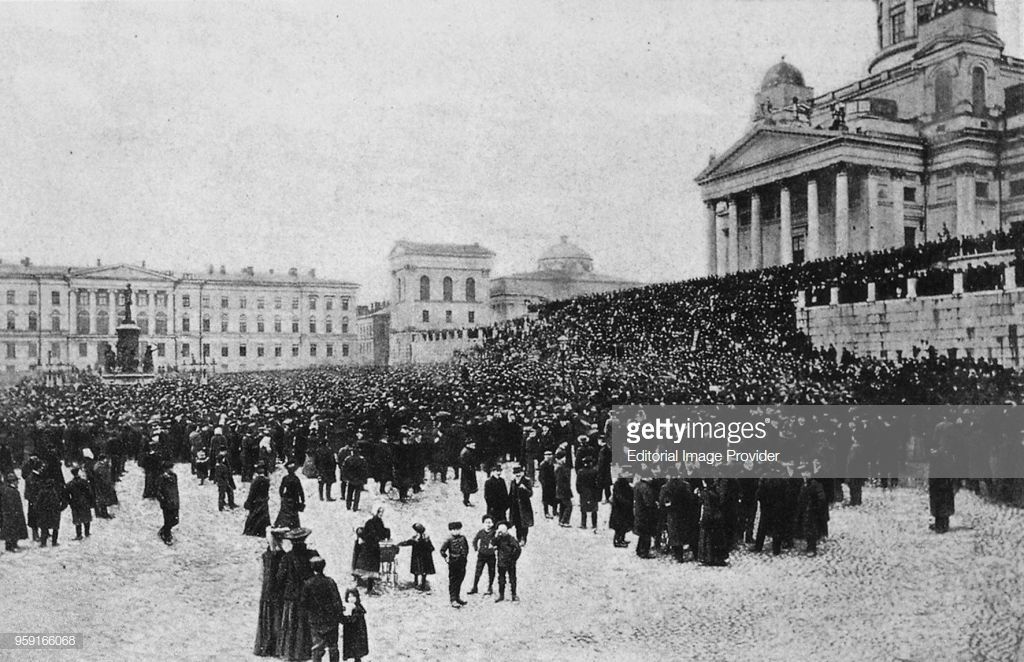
(295,351)
(12,353)
(312,303)
(206,324)
(33,298)
(259,326)
(142,298)
(186,324)
(344,304)
(55,351)
(206,350)
(312,326)
(224,351)
(472,317)
(981,189)
(103,298)
(330,349)
(899,26)
(161,349)
(243,326)
(312,350)
(945,191)
(223,325)
(328,325)
(205,301)
(185,349)
(242,350)
(242,302)
(329,303)
(295,326)
(909,194)
(277,303)
(426,316)
(33,322)
(260,351)
(31,350)
(186,301)
(10,297)
(277,326)
(448,316)
(83,350)
(83,297)
(10,322)
(55,298)
(55,323)
(160,299)
(1017,187)
(295,303)
(344,325)
(223,302)
(277,351)
(261,303)
(344,350)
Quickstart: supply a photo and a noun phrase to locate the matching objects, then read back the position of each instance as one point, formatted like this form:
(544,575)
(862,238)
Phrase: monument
(125,362)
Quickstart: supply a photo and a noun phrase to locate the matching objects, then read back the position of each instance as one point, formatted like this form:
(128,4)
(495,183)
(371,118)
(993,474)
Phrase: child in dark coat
(422,562)
(355,644)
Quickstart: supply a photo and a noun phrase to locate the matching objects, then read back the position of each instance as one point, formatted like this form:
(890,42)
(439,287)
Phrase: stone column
(734,238)
(911,288)
(898,209)
(711,232)
(958,282)
(842,224)
(874,212)
(833,295)
(755,231)
(812,246)
(1010,277)
(966,221)
(785,227)
(872,291)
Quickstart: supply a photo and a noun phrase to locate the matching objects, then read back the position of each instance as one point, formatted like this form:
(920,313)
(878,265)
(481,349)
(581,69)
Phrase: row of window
(447,289)
(448,317)
(83,323)
(82,298)
(54,354)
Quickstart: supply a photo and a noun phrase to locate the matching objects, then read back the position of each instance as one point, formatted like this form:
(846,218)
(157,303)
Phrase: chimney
(209,268)
(312,273)
(293,272)
(223,271)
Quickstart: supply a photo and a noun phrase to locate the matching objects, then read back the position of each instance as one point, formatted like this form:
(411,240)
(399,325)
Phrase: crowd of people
(539,395)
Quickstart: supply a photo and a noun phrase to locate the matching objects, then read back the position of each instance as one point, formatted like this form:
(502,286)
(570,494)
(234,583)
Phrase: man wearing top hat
(496,494)
(81,499)
(520,511)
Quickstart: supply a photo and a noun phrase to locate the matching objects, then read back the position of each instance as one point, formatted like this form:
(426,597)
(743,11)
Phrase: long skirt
(268,629)
(713,548)
(296,638)
(288,515)
(257,521)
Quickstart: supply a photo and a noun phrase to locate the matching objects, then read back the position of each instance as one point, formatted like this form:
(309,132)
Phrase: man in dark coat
(468,464)
(563,491)
(856,472)
(326,470)
(507,554)
(587,489)
(520,507)
(225,483)
(321,601)
(496,494)
(354,473)
(645,516)
(771,498)
(81,499)
(12,514)
(813,511)
(258,504)
(104,489)
(51,501)
(677,501)
(604,469)
(546,475)
(31,473)
(167,497)
(150,462)
(455,552)
(621,519)
(941,488)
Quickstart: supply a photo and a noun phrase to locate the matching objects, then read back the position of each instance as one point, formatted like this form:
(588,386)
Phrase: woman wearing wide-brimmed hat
(293,499)
(258,504)
(268,626)
(296,642)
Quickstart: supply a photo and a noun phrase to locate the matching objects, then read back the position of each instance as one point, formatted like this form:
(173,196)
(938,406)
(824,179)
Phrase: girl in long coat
(258,505)
(421,562)
(368,561)
(621,519)
(268,627)
(355,643)
(12,515)
(293,499)
(296,642)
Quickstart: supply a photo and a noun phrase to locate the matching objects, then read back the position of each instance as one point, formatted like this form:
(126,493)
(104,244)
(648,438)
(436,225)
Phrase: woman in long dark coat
(293,499)
(296,642)
(12,515)
(355,643)
(31,474)
(621,519)
(268,627)
(421,561)
(713,548)
(258,505)
(51,501)
(106,493)
(468,465)
(368,561)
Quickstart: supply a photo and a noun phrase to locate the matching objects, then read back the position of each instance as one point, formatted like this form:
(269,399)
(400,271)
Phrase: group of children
(495,547)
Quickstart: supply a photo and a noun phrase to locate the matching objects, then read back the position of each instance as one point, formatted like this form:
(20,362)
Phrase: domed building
(929,143)
(563,271)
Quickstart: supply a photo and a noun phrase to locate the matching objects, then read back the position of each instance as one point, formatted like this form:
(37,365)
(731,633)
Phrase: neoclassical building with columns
(930,142)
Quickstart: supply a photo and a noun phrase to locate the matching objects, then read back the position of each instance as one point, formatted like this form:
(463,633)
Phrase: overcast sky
(316,135)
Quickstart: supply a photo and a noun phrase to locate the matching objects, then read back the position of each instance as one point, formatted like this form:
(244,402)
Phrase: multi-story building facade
(66,316)
(436,289)
(373,330)
(930,143)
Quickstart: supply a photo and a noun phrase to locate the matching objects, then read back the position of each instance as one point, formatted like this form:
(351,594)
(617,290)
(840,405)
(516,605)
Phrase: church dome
(782,73)
(565,256)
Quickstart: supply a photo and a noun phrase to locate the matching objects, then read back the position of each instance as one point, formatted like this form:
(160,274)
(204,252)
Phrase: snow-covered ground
(884,588)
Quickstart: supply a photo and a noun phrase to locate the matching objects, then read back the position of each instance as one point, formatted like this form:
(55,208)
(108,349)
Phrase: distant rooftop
(445,250)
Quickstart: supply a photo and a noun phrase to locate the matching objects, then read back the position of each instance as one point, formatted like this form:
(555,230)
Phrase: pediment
(122,272)
(761,146)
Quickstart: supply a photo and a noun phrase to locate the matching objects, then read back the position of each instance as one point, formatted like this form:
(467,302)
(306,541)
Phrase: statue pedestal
(128,347)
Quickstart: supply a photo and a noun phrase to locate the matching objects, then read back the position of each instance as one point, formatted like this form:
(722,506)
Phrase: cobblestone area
(883,588)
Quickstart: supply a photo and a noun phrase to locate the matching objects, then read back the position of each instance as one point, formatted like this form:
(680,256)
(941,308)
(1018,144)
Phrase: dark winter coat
(604,467)
(508,550)
(81,500)
(355,470)
(586,487)
(355,643)
(50,502)
(563,482)
(222,476)
(374,532)
(942,490)
(421,560)
(258,505)
(326,465)
(496,497)
(467,476)
(813,509)
(645,509)
(12,515)
(167,491)
(322,603)
(294,570)
(104,489)
(678,502)
(546,476)
(621,518)
(520,512)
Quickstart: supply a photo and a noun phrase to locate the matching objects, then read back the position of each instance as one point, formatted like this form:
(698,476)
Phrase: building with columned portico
(929,143)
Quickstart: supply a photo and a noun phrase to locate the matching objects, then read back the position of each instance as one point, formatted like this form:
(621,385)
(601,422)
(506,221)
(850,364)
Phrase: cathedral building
(929,143)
